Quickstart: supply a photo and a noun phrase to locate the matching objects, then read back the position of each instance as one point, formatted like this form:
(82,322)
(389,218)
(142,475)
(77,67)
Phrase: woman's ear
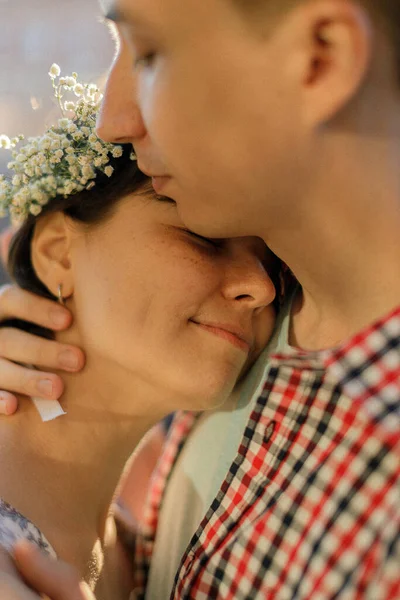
(51,251)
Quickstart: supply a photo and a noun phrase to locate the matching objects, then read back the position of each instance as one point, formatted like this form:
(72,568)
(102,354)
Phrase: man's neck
(343,246)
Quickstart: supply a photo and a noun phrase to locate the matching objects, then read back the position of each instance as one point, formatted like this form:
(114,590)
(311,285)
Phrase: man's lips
(158,180)
(230,333)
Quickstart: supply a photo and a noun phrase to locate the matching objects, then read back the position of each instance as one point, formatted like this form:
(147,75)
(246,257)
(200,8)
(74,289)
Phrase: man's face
(205,101)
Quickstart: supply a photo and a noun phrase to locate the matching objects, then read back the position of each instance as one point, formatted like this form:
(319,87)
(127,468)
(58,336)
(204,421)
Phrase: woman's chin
(209,394)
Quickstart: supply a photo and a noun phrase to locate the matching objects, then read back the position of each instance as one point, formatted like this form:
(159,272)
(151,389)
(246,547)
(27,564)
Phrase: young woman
(167,319)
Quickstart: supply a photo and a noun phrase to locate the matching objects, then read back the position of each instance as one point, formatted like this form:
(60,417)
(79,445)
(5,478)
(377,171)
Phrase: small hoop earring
(60,296)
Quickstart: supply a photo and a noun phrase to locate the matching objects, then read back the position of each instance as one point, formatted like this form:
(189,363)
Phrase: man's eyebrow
(112,13)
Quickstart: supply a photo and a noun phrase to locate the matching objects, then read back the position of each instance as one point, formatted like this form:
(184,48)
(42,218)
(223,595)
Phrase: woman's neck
(62,474)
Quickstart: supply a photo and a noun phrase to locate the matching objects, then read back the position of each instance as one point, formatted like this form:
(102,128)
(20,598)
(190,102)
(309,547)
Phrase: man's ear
(50,252)
(339,48)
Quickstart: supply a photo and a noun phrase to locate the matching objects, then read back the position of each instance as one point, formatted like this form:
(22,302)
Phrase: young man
(279,119)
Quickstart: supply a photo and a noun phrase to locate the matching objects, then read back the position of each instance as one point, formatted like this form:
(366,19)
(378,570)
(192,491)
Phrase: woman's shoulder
(15,527)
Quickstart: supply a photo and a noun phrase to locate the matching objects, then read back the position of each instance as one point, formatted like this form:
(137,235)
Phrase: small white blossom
(5,142)
(109,170)
(117,152)
(54,71)
(79,89)
(35,209)
(69,105)
(70,81)
(88,172)
(72,128)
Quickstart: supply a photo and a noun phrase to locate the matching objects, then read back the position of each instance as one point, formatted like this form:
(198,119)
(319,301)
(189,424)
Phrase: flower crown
(63,161)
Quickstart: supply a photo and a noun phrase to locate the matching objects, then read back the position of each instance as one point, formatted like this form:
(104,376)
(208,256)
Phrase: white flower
(79,89)
(69,105)
(117,152)
(45,143)
(35,209)
(70,81)
(5,142)
(54,71)
(74,170)
(92,89)
(72,128)
(88,172)
(109,170)
(133,156)
(21,158)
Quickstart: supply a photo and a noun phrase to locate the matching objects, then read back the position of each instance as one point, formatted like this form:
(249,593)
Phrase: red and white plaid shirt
(310,508)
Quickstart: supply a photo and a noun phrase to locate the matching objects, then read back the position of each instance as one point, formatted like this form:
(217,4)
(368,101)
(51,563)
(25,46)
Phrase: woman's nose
(120,120)
(248,283)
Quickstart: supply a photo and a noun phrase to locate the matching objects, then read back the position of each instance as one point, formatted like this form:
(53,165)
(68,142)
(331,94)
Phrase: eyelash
(217,244)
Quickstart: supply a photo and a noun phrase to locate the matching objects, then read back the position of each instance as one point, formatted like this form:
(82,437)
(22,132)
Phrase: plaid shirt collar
(367,369)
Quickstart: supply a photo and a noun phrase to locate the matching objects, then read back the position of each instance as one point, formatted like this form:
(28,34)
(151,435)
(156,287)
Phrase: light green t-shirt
(202,467)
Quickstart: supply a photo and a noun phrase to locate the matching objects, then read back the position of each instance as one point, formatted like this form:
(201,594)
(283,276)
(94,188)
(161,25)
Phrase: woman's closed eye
(212,243)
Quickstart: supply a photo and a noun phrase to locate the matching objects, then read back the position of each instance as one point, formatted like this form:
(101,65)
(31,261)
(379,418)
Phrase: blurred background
(33,35)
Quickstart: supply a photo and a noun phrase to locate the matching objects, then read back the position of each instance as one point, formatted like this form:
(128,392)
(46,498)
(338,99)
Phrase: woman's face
(182,314)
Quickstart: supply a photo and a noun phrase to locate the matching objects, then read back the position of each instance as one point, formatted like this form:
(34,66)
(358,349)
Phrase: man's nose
(120,120)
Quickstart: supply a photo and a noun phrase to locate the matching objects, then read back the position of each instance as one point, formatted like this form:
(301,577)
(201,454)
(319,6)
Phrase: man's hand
(19,346)
(55,579)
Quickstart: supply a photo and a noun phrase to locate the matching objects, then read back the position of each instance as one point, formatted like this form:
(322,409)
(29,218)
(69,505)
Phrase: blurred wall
(33,35)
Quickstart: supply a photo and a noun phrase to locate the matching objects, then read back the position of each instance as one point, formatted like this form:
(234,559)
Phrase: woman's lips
(233,338)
